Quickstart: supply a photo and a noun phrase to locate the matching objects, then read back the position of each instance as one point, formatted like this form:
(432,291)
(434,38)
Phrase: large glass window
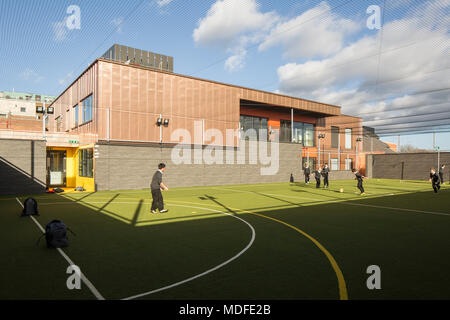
(256,123)
(88,109)
(75,116)
(86,163)
(348,138)
(303,133)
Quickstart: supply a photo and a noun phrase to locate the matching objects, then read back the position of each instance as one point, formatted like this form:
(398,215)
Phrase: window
(298,132)
(348,138)
(23,109)
(348,164)
(256,123)
(334,137)
(303,133)
(75,116)
(334,164)
(86,163)
(308,140)
(88,109)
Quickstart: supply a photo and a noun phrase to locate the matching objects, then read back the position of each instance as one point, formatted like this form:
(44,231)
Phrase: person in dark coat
(317,175)
(306,172)
(156,186)
(441,173)
(359,177)
(435,181)
(325,172)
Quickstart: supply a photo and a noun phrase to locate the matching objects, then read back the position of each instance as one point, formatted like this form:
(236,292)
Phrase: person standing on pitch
(156,186)
(359,177)
(317,177)
(435,181)
(306,172)
(325,172)
(441,173)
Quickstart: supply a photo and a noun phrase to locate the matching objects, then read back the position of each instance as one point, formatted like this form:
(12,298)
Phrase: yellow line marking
(343,294)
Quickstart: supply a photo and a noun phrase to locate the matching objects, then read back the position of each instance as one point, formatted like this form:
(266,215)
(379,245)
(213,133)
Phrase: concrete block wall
(120,167)
(22,166)
(416,166)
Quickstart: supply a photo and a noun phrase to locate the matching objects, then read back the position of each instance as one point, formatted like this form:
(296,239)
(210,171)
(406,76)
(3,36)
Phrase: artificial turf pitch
(266,241)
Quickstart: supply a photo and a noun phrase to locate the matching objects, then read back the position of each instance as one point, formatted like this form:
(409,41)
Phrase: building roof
(24,95)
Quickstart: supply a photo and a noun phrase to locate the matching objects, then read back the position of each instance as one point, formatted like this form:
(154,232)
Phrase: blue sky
(312,49)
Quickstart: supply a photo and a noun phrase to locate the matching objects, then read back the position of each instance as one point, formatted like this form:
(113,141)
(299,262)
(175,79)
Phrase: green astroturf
(124,250)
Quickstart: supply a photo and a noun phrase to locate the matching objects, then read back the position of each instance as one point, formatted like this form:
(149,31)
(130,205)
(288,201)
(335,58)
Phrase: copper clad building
(114,106)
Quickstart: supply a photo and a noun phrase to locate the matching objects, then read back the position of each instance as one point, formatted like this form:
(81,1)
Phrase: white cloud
(29,74)
(414,61)
(226,20)
(316,32)
(236,62)
(232,25)
(162,3)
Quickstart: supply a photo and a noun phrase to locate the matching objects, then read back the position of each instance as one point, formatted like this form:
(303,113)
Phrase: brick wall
(131,167)
(415,166)
(22,166)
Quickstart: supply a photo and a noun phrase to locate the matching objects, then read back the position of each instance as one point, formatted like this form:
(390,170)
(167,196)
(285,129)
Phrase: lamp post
(358,140)
(320,136)
(45,111)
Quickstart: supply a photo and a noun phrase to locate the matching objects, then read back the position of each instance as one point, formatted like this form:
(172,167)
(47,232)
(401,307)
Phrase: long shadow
(136,213)
(275,198)
(16,181)
(213,199)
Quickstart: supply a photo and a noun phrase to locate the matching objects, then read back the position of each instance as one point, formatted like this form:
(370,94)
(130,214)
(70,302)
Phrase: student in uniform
(306,172)
(317,177)
(435,181)
(441,173)
(325,172)
(359,177)
(156,186)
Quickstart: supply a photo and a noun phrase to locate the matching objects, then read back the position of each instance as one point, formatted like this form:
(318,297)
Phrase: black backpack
(56,234)
(30,208)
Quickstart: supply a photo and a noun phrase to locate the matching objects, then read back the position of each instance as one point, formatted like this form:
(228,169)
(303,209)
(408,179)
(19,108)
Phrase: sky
(391,67)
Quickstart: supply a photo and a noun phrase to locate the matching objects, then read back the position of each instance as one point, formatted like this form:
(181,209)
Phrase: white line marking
(208,271)
(83,277)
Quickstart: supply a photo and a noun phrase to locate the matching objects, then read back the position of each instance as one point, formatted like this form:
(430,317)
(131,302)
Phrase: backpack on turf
(56,234)
(30,208)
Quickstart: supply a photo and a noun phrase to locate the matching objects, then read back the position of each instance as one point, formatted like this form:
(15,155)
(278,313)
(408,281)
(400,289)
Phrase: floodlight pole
(44,117)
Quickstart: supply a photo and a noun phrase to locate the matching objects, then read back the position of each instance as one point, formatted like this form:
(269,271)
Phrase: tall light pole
(45,111)
(358,140)
(320,136)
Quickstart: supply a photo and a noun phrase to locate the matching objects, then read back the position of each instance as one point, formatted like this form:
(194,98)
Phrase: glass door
(56,168)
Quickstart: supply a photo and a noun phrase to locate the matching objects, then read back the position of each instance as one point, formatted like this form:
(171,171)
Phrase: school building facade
(113,109)
(114,124)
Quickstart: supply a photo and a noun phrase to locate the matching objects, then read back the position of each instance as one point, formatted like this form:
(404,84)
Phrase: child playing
(435,181)
(359,177)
